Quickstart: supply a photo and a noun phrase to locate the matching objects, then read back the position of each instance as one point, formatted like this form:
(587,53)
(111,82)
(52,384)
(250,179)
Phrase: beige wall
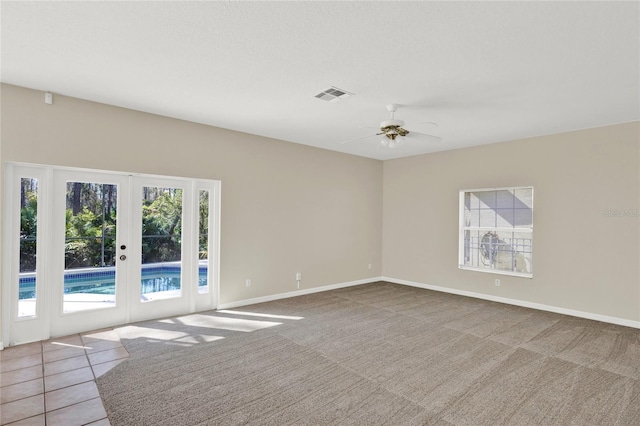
(583,260)
(286,207)
(290,208)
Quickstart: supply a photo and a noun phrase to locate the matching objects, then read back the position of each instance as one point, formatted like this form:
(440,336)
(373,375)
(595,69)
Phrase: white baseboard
(1,346)
(516,302)
(508,301)
(295,293)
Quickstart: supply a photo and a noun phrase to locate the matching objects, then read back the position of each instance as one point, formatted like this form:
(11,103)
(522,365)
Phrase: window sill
(497,272)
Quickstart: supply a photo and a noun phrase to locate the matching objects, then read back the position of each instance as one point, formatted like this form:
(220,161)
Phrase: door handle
(123,257)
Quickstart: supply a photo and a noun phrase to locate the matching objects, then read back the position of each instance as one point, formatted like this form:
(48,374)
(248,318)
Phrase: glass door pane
(28,247)
(203,241)
(90,246)
(161,243)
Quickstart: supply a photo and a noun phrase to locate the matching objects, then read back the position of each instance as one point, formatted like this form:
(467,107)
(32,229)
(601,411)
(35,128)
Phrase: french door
(88,249)
(162,215)
(90,223)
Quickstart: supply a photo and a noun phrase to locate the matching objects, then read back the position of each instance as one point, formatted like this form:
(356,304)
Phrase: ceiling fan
(393,133)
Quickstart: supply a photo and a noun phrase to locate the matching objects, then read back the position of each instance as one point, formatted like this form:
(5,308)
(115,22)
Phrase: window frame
(463,228)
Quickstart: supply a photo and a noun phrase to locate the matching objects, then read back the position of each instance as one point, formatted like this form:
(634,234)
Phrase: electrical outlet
(248,282)
(497,283)
(298,276)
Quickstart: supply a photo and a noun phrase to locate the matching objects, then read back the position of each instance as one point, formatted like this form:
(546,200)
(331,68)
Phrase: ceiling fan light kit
(393,131)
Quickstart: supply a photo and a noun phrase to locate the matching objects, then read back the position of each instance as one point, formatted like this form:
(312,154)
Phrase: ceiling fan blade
(431,123)
(423,136)
(359,138)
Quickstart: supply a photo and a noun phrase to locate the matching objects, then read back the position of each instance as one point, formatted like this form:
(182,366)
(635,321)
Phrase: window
(496,230)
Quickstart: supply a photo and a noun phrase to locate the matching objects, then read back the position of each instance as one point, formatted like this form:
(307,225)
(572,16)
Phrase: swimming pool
(102,280)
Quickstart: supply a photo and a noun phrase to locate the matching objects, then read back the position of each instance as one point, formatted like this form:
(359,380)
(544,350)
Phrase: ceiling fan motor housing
(392,123)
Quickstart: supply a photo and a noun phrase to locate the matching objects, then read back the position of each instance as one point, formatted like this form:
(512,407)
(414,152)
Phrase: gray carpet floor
(375,354)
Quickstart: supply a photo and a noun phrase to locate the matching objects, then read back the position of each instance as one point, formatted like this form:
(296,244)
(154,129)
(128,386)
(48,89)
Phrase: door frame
(23,330)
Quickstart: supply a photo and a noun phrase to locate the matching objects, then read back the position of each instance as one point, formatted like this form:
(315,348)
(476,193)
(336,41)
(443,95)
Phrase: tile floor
(53,382)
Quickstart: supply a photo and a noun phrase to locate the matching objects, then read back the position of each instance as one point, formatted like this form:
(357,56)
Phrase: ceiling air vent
(333,94)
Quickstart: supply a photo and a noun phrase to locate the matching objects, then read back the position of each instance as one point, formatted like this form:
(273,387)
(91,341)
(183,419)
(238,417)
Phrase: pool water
(154,280)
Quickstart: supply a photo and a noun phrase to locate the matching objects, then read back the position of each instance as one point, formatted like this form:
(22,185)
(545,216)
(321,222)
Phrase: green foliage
(29,216)
(203,225)
(162,227)
(83,242)
(28,232)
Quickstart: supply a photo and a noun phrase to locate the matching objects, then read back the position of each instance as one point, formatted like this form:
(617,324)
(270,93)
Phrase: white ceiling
(484,71)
